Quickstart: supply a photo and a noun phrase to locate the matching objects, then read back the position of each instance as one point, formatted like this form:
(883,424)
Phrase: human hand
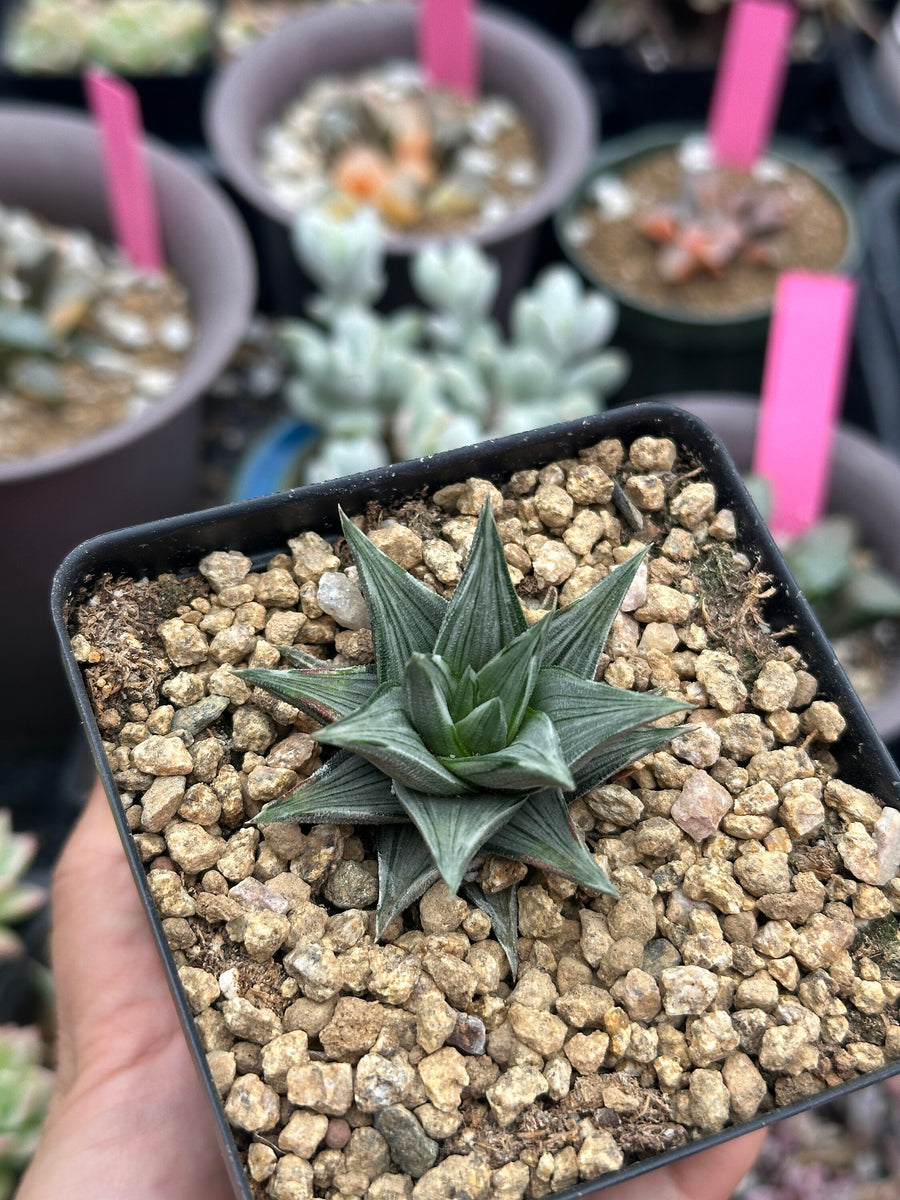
(129,1118)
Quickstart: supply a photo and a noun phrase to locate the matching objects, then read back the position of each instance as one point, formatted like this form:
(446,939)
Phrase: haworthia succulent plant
(472,730)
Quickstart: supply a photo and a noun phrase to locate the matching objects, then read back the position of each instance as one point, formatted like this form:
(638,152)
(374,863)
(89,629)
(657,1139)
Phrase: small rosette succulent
(25,1087)
(471,732)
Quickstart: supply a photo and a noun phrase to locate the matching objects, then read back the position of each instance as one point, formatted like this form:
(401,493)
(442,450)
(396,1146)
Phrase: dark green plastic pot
(670,326)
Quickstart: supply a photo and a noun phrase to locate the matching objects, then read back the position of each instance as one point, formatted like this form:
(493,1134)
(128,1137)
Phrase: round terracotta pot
(517,61)
(865,483)
(674,327)
(135,471)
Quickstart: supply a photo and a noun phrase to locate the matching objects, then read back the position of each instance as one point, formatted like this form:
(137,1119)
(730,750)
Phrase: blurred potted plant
(369,390)
(143,467)
(518,65)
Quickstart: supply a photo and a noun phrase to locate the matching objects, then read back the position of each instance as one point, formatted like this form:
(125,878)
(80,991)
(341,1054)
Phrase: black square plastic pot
(260,528)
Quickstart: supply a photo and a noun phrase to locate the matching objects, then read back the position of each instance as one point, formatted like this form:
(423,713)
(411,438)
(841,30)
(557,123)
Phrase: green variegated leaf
(532,760)
(540,833)
(406,616)
(503,909)
(618,753)
(511,674)
(381,732)
(586,714)
(485,614)
(405,870)
(346,788)
(425,686)
(484,730)
(325,695)
(455,827)
(578,632)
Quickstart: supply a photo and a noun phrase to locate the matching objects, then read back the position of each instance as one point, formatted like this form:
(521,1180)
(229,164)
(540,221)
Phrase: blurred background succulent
(133,37)
(665,33)
(378,389)
(25,1087)
(19,899)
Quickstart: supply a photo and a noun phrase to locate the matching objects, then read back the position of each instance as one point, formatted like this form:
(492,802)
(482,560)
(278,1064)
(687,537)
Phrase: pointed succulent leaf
(406,616)
(381,732)
(425,687)
(346,788)
(484,730)
(617,754)
(485,614)
(465,695)
(578,632)
(512,673)
(870,594)
(503,909)
(587,714)
(540,833)
(532,760)
(325,694)
(456,827)
(405,870)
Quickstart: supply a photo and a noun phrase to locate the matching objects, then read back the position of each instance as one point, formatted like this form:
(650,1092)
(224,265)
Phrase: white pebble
(695,153)
(494,209)
(578,231)
(522,172)
(476,161)
(175,334)
(613,197)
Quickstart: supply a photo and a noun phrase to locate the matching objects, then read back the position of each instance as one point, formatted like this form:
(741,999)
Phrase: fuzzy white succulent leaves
(383,388)
(472,730)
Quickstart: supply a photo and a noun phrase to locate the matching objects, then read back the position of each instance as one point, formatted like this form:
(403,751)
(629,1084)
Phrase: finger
(105,963)
(712,1175)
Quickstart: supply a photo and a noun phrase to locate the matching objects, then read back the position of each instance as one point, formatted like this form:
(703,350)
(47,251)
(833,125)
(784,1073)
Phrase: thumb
(105,963)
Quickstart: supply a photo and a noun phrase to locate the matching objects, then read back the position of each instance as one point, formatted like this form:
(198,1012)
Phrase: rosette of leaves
(471,732)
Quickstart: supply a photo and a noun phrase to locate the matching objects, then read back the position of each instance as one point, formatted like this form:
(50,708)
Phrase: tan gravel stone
(746,1087)
(280,1054)
(514,1091)
(710,1102)
(192,847)
(292,1180)
(322,1087)
(304,1133)
(719,673)
(169,895)
(251,1105)
(687,990)
(460,1176)
(598,1155)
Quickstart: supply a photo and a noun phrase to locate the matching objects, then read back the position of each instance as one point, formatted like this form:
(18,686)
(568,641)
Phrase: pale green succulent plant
(471,732)
(25,1087)
(18,898)
(383,388)
(134,37)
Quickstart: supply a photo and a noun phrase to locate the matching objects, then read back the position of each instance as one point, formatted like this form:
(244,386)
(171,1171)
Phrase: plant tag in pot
(750,80)
(806,364)
(132,205)
(447,45)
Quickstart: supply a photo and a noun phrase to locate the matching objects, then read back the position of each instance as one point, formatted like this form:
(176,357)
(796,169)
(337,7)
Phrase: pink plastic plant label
(803,383)
(750,80)
(132,204)
(448,50)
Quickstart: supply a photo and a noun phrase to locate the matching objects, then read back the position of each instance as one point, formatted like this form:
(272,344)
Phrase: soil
(802,981)
(624,259)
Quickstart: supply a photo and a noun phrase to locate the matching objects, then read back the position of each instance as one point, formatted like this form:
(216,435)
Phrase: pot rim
(220,334)
(504,33)
(631,147)
(265,523)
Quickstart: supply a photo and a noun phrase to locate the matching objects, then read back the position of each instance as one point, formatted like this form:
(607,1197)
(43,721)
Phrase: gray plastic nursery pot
(260,528)
(138,470)
(672,326)
(517,61)
(865,483)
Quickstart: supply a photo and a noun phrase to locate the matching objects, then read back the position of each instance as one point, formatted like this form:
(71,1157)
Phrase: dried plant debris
(747,961)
